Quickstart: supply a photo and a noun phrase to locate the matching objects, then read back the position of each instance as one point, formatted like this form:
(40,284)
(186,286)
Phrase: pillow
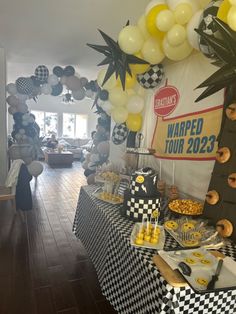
(64,143)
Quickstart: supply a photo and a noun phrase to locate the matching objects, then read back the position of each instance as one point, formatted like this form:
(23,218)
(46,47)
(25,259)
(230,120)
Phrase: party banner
(189,136)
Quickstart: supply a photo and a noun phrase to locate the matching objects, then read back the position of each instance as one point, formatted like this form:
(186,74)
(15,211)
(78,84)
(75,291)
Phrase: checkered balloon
(207,25)
(41,73)
(119,134)
(24,85)
(152,77)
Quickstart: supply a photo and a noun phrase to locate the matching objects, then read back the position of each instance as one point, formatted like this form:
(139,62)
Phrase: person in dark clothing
(23,190)
(52,142)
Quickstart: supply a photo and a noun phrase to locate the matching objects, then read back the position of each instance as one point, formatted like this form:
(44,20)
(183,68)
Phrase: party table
(127,276)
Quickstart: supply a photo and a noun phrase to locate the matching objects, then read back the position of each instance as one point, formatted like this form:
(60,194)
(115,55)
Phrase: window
(68,125)
(74,125)
(47,121)
(62,124)
(50,123)
(81,126)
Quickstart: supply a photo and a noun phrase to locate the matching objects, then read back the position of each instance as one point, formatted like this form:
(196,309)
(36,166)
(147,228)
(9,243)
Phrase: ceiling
(55,32)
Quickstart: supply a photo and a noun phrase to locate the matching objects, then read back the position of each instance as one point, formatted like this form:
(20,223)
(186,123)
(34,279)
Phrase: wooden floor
(44,269)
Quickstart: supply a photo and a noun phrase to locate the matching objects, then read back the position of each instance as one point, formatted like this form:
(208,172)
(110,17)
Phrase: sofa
(74,145)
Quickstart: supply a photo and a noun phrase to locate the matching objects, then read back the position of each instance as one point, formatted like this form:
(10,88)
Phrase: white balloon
(11,89)
(94,158)
(89,93)
(79,94)
(46,89)
(100,102)
(35,168)
(22,97)
(135,104)
(85,165)
(107,107)
(53,80)
(152,4)
(63,80)
(193,36)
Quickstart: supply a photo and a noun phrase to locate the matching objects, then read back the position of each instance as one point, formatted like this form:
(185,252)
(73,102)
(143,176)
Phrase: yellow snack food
(198,254)
(206,262)
(190,260)
(147,237)
(171,225)
(190,243)
(139,241)
(202,281)
(187,226)
(154,240)
(186,207)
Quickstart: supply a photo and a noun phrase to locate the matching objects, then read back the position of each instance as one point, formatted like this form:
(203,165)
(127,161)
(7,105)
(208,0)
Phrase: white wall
(3,119)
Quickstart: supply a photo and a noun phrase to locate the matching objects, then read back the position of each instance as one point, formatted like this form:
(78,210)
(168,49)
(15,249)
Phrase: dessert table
(127,275)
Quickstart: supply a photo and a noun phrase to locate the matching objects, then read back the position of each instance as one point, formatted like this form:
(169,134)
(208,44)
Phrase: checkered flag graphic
(139,208)
(42,73)
(152,77)
(24,85)
(119,134)
(207,25)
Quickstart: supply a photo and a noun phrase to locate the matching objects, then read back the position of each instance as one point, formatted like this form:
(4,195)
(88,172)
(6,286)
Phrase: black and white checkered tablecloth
(128,277)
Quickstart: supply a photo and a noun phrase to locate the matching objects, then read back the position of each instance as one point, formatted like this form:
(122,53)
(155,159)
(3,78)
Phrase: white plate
(97,195)
(148,245)
(227,277)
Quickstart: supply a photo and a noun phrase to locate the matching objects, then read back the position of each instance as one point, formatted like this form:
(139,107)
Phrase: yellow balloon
(183,13)
(151,20)
(118,97)
(142,26)
(177,53)
(152,51)
(224,10)
(134,122)
(165,20)
(130,39)
(109,83)
(176,35)
(139,68)
(231,18)
(130,81)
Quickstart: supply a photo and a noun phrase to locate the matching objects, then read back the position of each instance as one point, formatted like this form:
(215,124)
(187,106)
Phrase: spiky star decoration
(117,60)
(225,51)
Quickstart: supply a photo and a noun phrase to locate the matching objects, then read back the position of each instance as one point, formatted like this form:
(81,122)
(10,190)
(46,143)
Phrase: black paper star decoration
(225,50)
(117,60)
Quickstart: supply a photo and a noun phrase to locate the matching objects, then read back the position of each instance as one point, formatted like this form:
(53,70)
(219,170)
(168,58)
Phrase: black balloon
(18,117)
(87,86)
(69,71)
(103,94)
(93,86)
(58,71)
(57,89)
